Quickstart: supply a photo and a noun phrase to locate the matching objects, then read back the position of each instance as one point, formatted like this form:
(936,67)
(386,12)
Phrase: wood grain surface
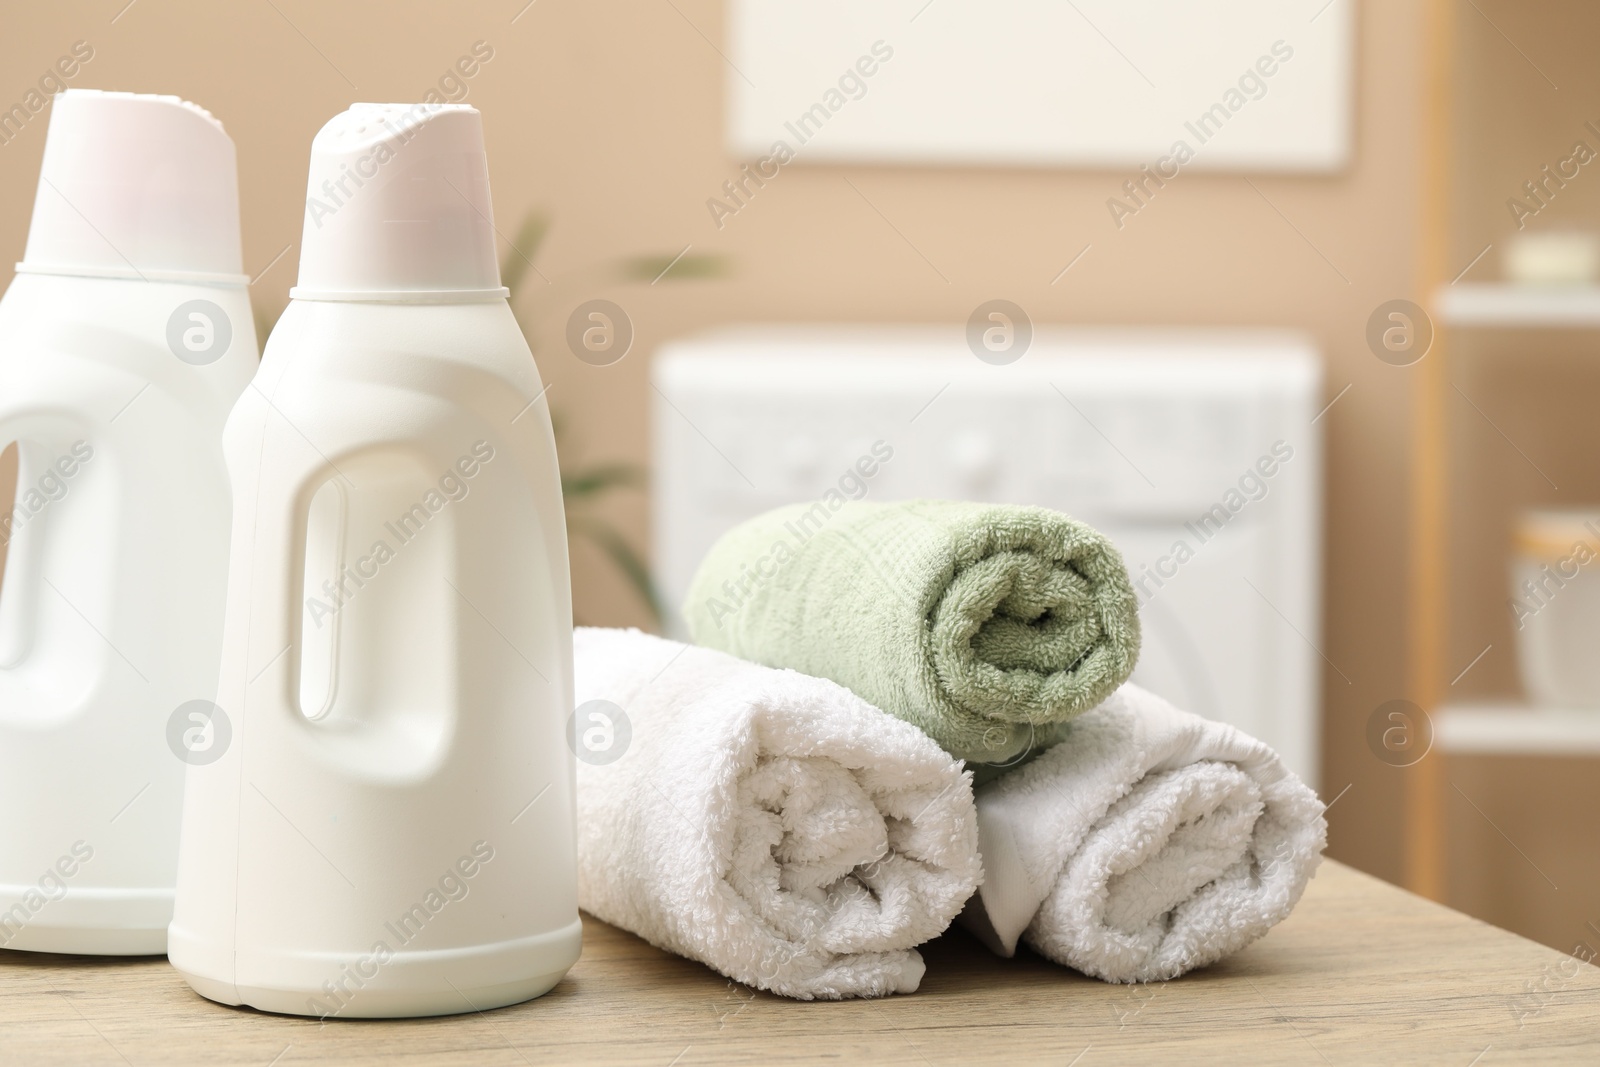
(1362,973)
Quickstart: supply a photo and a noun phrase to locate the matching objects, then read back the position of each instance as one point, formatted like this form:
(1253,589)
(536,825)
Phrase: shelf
(1516,730)
(1500,304)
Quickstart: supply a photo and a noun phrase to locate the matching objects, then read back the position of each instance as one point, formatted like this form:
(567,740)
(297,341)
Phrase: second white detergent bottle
(390,832)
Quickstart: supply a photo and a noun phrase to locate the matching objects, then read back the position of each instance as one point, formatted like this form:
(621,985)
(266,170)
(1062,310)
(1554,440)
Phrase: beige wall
(606,115)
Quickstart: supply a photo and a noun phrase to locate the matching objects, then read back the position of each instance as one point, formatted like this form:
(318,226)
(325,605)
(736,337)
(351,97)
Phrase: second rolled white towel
(1144,844)
(771,825)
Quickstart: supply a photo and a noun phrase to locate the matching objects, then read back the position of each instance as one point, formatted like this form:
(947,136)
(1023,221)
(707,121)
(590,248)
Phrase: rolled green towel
(985,625)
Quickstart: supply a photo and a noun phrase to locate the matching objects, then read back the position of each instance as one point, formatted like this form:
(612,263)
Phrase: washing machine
(1198,452)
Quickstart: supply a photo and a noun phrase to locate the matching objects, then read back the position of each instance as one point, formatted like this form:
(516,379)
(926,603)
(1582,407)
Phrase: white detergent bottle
(125,339)
(391,831)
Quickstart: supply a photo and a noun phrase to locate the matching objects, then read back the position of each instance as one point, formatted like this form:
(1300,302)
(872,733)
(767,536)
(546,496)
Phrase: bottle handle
(279,581)
(46,465)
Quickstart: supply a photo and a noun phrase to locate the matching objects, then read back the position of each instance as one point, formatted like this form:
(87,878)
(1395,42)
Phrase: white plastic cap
(397,207)
(135,186)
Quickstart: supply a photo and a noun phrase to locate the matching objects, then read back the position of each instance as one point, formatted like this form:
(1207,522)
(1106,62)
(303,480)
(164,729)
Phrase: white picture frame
(1064,83)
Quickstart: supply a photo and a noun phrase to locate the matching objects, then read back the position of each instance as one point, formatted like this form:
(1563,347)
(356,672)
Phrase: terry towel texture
(773,826)
(1147,843)
(984,625)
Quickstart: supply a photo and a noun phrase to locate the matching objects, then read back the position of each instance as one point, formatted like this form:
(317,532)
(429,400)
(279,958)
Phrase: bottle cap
(397,208)
(135,186)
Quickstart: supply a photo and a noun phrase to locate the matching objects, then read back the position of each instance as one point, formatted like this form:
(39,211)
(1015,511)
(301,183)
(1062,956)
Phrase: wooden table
(1361,973)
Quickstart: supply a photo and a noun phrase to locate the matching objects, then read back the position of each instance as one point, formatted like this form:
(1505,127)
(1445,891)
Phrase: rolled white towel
(1148,842)
(774,826)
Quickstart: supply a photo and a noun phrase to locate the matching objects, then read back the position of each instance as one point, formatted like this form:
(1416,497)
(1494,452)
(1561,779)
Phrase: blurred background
(1397,231)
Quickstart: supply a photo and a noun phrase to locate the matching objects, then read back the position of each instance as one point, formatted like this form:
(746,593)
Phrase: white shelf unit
(1511,306)
(1516,730)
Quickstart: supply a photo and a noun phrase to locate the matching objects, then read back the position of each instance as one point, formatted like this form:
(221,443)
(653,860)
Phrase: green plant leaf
(589,483)
(608,540)
(677,267)
(523,251)
(597,480)
(266,318)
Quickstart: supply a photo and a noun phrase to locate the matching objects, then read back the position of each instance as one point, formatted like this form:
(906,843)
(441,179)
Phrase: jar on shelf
(1555,604)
